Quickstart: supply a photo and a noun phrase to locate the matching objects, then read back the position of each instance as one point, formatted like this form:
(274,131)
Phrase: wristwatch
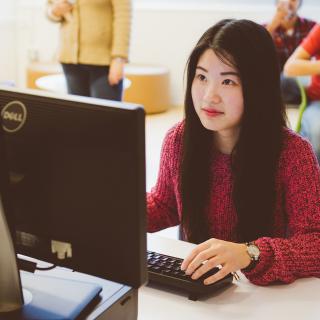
(253,251)
(254,254)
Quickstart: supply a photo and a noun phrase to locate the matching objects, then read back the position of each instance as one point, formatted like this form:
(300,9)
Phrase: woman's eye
(228,82)
(201,77)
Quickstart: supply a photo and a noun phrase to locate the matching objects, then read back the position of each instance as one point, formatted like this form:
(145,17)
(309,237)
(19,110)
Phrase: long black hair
(249,48)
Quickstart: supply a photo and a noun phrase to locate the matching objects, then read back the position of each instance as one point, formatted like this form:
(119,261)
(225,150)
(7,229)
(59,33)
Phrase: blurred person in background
(94,44)
(288,30)
(306,61)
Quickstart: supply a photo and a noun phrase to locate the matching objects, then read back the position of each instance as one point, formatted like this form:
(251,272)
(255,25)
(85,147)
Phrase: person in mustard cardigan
(94,44)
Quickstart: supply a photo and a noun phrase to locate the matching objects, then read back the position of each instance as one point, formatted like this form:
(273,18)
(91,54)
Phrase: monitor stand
(11,297)
(53,298)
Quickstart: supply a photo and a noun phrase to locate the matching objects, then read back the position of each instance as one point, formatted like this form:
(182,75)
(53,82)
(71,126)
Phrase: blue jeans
(91,81)
(289,90)
(310,126)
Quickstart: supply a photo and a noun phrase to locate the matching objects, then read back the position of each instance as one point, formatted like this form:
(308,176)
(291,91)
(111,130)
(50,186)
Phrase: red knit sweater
(294,250)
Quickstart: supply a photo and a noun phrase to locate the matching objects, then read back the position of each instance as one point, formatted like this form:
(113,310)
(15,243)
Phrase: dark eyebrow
(203,69)
(230,73)
(233,73)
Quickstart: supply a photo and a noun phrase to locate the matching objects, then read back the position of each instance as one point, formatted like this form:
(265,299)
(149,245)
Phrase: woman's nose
(212,95)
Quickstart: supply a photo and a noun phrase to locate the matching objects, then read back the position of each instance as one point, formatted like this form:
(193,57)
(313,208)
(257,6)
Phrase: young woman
(243,186)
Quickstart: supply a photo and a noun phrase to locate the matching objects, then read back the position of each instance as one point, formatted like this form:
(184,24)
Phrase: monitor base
(54,298)
(118,301)
(63,294)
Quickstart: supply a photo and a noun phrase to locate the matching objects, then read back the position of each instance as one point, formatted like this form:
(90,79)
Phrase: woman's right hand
(282,12)
(61,7)
(279,16)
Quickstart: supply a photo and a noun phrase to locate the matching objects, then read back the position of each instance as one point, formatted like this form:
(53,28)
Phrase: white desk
(297,301)
(242,301)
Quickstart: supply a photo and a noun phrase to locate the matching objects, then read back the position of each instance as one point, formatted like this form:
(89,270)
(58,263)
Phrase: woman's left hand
(116,71)
(213,252)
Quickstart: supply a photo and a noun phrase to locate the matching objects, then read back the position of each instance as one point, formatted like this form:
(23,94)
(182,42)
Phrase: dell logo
(13,115)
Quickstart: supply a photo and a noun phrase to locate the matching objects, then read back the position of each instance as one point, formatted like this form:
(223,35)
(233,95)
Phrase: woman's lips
(212,112)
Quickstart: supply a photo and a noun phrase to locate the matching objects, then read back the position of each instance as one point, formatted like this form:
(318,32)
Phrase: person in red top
(243,186)
(306,61)
(288,30)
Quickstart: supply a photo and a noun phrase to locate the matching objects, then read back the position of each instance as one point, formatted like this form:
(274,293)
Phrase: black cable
(46,268)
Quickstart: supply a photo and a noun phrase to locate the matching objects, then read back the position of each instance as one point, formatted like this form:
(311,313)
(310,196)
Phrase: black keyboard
(166,270)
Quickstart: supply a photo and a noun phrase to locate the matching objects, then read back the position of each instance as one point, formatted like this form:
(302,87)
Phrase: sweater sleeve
(297,255)
(311,42)
(161,201)
(121,28)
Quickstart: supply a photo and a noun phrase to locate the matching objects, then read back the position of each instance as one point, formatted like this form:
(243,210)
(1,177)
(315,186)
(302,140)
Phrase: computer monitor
(77,182)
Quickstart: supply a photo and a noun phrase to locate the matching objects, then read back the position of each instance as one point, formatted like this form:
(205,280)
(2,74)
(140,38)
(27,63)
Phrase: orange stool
(37,70)
(149,87)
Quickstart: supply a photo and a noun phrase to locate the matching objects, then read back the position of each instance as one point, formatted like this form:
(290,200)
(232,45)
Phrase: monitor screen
(77,182)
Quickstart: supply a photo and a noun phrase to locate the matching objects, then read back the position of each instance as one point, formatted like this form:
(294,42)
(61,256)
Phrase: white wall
(37,37)
(163,32)
(8,40)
